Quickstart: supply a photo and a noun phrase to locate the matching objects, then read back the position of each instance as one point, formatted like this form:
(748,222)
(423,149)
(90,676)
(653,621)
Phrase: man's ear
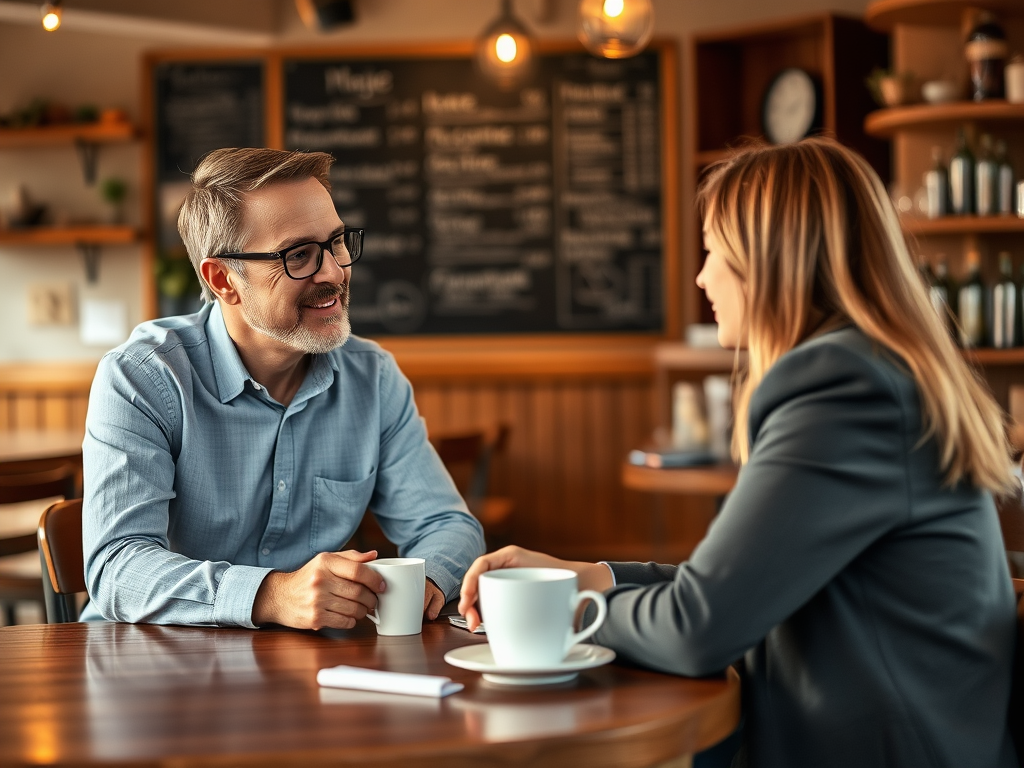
(220,280)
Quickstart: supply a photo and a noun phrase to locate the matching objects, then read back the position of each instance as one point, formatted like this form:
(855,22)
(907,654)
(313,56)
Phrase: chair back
(38,483)
(1011,521)
(60,549)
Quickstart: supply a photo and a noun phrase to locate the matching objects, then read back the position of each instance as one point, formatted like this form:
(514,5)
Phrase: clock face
(790,106)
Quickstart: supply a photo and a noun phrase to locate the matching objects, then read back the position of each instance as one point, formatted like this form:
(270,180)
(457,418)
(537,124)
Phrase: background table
(148,695)
(32,445)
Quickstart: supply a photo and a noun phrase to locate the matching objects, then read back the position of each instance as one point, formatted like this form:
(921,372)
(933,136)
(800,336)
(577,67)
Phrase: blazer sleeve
(826,477)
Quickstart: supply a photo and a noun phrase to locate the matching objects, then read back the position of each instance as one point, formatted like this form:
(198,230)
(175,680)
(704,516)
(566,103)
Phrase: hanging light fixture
(615,29)
(505,51)
(51,15)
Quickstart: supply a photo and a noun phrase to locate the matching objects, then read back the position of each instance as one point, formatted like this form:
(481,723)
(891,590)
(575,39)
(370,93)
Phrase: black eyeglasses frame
(355,251)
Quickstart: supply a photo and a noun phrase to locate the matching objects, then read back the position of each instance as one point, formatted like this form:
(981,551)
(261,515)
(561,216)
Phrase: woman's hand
(591,575)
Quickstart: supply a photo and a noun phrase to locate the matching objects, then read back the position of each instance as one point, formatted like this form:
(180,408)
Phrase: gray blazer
(870,608)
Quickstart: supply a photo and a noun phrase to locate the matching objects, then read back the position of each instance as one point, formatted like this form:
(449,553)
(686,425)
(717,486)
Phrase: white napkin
(364,679)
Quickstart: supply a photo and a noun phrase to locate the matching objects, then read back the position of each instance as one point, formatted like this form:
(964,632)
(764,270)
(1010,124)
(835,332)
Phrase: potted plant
(177,286)
(890,88)
(114,191)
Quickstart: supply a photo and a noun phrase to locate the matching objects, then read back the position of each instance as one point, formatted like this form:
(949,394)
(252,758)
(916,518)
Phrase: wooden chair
(20,577)
(468,456)
(60,551)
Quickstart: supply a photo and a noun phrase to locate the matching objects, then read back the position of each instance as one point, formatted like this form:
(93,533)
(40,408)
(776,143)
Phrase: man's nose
(330,269)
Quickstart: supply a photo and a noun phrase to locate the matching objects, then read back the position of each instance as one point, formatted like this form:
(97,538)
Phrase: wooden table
(104,693)
(715,480)
(32,445)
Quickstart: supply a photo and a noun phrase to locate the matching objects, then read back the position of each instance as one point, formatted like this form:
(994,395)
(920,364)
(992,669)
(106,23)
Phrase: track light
(615,29)
(505,51)
(51,15)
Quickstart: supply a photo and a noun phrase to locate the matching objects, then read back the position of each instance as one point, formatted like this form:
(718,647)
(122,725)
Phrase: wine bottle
(1004,306)
(961,177)
(985,178)
(936,185)
(971,304)
(1004,181)
(941,292)
(986,52)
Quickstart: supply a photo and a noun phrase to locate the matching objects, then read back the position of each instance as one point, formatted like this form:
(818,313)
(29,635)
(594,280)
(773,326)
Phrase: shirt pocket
(338,507)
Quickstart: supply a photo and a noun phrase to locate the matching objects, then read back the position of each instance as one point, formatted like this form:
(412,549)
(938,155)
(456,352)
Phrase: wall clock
(792,106)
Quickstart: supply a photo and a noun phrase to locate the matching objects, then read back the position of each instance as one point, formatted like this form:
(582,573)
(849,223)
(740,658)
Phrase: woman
(856,571)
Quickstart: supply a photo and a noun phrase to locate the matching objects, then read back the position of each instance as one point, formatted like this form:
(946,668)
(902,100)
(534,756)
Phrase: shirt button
(281,485)
(266,551)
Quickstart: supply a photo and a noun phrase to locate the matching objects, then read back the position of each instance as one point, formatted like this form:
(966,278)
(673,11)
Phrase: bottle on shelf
(986,173)
(971,304)
(986,52)
(1005,309)
(940,289)
(961,177)
(1005,182)
(936,185)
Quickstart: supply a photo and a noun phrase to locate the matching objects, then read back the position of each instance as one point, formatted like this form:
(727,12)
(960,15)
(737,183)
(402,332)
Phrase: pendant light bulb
(505,51)
(51,15)
(615,29)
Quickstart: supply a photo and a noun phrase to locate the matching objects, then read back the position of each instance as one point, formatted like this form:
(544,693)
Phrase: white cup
(400,606)
(529,615)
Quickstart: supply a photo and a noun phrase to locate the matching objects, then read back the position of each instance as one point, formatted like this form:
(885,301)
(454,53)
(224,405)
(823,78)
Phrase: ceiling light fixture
(505,51)
(615,29)
(51,15)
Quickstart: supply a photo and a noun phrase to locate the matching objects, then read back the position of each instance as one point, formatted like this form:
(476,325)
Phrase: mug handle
(374,617)
(602,613)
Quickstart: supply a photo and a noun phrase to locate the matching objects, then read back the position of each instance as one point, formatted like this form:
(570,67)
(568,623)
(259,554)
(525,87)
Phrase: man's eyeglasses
(305,259)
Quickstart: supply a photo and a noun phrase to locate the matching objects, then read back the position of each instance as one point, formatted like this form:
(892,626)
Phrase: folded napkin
(387,682)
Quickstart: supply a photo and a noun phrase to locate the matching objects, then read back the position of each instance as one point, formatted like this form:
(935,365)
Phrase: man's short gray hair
(210,220)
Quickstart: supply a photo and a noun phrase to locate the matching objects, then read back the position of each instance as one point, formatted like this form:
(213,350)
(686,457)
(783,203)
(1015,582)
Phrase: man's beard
(330,334)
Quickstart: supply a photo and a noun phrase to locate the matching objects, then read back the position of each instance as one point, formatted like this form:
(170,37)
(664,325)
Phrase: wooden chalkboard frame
(498,356)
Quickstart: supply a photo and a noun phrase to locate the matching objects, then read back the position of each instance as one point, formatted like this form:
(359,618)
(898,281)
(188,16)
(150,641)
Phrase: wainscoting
(575,413)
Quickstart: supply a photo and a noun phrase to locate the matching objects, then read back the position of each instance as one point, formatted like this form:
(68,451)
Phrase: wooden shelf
(710,156)
(885,123)
(964,225)
(94,235)
(680,357)
(995,357)
(55,135)
(883,15)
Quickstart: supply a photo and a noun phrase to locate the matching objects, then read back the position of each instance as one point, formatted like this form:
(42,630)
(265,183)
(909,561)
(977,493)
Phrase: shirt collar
(228,368)
(231,373)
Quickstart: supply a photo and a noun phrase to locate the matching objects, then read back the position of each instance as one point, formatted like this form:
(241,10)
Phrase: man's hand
(590,575)
(433,600)
(334,589)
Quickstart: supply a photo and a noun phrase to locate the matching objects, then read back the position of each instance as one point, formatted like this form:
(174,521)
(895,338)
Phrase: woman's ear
(220,280)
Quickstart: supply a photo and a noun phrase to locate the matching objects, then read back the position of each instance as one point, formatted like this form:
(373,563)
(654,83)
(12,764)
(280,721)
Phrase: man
(229,454)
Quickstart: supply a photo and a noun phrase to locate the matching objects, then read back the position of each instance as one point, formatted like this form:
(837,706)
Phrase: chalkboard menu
(490,211)
(199,106)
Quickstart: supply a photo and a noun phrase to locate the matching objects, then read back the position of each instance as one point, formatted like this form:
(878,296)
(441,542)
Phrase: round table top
(715,480)
(149,695)
(29,445)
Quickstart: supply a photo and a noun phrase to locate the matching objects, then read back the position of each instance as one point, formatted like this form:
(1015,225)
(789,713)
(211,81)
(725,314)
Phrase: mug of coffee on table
(400,607)
(529,615)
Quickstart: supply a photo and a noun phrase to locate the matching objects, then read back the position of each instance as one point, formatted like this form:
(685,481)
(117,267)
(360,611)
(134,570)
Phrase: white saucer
(478,658)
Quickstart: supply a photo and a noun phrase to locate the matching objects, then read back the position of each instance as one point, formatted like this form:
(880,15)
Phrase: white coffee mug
(529,615)
(400,606)
(1013,76)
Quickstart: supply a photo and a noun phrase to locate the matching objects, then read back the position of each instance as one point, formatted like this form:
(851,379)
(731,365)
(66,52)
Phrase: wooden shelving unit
(55,135)
(730,71)
(886,123)
(964,225)
(93,234)
(885,15)
(927,39)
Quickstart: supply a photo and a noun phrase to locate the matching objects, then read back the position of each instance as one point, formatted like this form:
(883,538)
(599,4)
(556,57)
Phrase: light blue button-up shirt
(198,483)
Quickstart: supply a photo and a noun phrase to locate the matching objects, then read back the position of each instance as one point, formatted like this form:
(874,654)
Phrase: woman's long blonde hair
(810,231)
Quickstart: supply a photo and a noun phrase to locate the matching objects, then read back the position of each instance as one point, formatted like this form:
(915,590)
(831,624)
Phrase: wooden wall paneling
(576,511)
(27,411)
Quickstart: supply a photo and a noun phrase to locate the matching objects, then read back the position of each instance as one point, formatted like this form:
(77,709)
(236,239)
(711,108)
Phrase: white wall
(77,67)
